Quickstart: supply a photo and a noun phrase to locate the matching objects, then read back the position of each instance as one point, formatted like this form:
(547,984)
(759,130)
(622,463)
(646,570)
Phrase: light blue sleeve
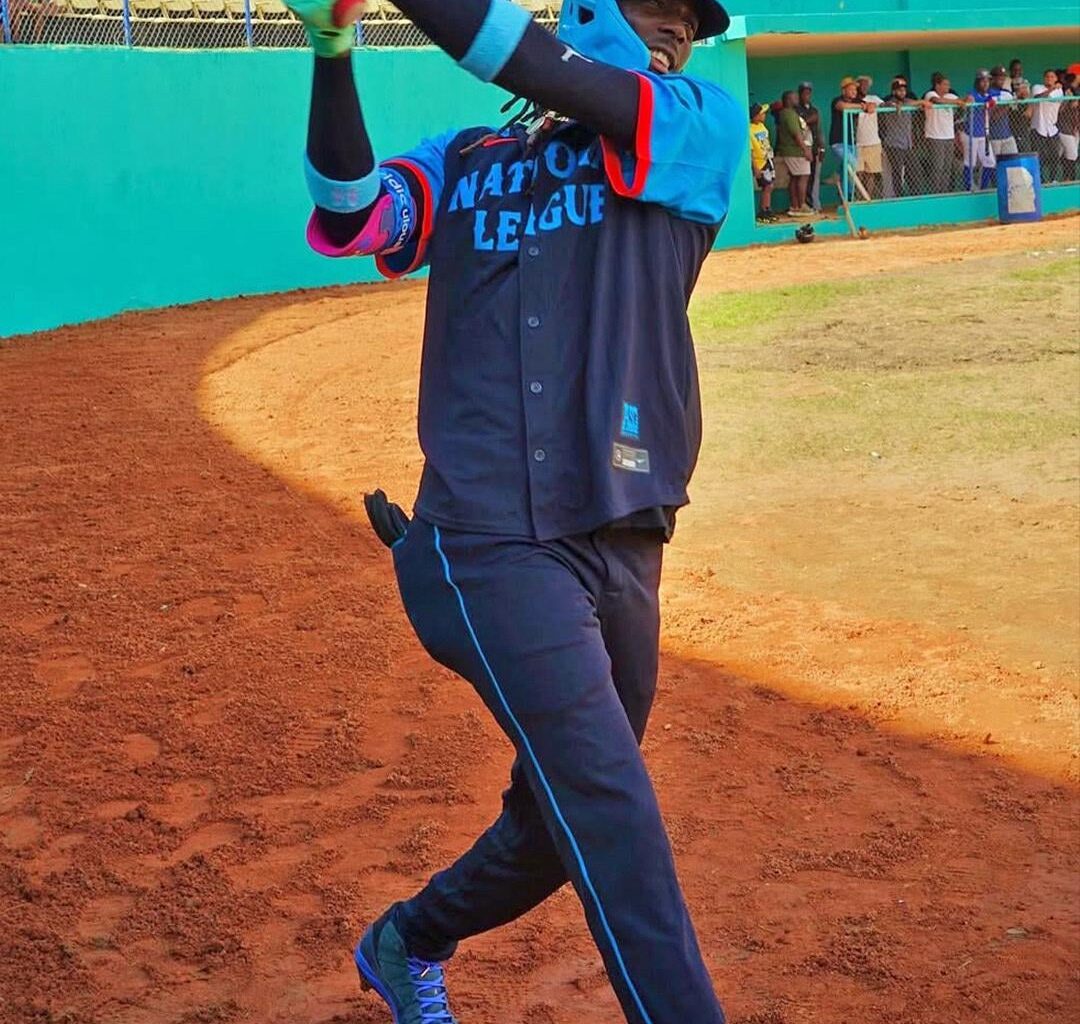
(427,162)
(691,136)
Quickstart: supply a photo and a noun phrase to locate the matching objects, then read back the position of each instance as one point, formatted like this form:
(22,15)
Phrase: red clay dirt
(222,752)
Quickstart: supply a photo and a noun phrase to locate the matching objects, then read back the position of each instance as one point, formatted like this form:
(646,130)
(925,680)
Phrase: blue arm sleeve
(689,139)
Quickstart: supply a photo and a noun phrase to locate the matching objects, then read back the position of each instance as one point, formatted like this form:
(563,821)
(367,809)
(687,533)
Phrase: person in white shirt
(867,138)
(1044,126)
(940,131)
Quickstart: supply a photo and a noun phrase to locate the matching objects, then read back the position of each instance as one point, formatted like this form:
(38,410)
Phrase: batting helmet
(597,29)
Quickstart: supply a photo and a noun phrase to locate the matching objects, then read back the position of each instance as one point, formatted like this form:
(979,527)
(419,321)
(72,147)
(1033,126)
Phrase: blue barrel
(1019,188)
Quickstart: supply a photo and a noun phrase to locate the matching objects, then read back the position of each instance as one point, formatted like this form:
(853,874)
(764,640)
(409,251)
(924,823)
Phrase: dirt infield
(222,751)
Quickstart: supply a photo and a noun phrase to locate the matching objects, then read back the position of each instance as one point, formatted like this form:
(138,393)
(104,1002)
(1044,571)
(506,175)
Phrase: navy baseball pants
(560,640)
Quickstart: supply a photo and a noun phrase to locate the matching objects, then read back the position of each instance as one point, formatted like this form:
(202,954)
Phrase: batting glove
(329,23)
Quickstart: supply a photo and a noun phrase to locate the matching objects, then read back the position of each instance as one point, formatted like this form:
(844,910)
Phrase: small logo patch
(636,460)
(631,426)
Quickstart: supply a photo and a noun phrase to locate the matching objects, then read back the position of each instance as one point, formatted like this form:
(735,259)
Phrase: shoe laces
(430,986)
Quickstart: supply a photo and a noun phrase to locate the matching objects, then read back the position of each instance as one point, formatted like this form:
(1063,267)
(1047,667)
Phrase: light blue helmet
(597,29)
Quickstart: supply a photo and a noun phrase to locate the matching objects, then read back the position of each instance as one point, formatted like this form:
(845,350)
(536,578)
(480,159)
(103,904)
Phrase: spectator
(975,141)
(1044,126)
(1016,76)
(812,116)
(940,130)
(793,149)
(1020,119)
(867,138)
(1069,128)
(897,139)
(847,100)
(761,160)
(1002,141)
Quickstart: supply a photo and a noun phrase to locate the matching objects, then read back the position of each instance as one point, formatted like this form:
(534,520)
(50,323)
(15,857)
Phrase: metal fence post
(249,31)
(5,17)
(849,116)
(127,23)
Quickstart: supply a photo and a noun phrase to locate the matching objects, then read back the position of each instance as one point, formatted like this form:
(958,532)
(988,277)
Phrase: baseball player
(560,421)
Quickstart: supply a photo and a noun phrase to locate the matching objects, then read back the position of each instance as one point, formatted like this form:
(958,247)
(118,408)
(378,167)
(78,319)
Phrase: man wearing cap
(848,100)
(1002,140)
(812,116)
(897,139)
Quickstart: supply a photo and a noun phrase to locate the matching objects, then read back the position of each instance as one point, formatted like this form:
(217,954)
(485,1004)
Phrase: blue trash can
(1019,188)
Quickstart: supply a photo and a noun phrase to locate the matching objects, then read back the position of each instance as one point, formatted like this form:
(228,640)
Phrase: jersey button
(539,454)
(536,387)
(534,250)
(533,321)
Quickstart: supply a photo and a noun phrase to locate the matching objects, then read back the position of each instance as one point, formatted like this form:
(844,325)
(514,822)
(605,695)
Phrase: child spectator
(940,131)
(867,138)
(793,149)
(1044,126)
(761,160)
(975,141)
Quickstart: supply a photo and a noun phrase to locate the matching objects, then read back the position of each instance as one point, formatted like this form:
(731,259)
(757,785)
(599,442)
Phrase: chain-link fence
(937,148)
(203,24)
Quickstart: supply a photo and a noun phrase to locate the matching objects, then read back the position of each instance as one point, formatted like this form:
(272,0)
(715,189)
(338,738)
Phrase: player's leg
(516,620)
(514,865)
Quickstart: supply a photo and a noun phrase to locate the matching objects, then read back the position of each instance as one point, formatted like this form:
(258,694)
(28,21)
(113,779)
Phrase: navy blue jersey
(558,388)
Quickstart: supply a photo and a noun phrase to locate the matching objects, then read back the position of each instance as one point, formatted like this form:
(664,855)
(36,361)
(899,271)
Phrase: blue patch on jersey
(630,422)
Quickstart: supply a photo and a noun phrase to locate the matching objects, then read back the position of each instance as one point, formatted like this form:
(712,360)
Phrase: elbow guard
(389,227)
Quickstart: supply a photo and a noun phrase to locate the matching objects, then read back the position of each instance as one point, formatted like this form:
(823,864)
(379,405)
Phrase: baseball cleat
(414,989)
(329,23)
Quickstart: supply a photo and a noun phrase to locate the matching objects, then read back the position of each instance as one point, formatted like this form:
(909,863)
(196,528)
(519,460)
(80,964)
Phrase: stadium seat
(213,10)
(113,7)
(272,10)
(178,8)
(235,8)
(84,7)
(146,8)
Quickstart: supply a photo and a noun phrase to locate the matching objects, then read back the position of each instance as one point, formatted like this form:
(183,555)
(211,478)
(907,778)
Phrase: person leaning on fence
(812,116)
(939,129)
(761,160)
(1002,141)
(868,138)
(1020,118)
(847,100)
(974,137)
(1044,126)
(793,151)
(897,140)
(1069,128)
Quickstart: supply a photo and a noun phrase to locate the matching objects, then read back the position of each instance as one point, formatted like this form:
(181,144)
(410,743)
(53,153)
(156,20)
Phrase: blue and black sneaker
(414,989)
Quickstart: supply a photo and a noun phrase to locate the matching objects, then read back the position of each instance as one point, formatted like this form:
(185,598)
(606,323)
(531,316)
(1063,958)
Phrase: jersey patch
(630,423)
(636,460)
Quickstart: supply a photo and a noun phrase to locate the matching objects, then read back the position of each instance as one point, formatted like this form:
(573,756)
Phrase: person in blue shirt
(1002,141)
(559,418)
(974,138)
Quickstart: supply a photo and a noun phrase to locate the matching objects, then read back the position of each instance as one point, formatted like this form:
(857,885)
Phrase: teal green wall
(136,178)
